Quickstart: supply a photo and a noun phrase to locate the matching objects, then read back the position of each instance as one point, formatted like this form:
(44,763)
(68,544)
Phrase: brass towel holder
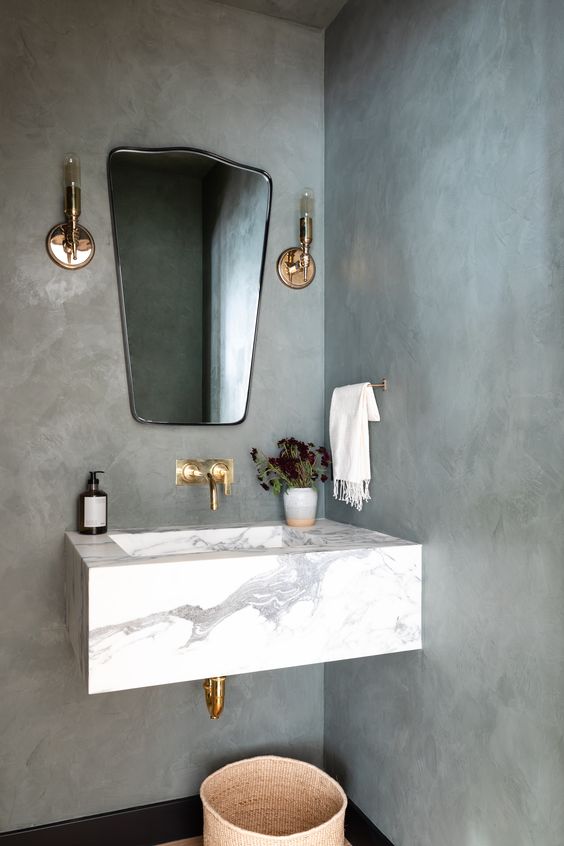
(383,384)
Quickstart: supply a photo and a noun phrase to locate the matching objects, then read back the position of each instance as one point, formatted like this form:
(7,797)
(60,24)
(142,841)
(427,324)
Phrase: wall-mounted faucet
(211,471)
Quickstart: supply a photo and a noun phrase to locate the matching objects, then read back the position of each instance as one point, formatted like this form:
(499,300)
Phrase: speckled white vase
(300,506)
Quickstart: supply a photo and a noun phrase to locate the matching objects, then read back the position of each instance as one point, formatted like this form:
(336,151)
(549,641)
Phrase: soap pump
(93,507)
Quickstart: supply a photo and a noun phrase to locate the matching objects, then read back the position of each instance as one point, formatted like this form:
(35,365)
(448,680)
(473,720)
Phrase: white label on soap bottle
(94,512)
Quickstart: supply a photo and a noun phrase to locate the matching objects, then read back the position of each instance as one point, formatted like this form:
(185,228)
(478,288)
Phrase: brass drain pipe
(214,691)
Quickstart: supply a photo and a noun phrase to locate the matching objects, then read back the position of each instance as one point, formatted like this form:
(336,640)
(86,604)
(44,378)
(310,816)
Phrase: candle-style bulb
(71,171)
(306,203)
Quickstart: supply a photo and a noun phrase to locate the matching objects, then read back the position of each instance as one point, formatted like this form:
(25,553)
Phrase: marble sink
(170,605)
(142,544)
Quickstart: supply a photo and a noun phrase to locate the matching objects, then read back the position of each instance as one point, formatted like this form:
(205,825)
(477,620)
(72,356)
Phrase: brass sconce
(69,245)
(296,267)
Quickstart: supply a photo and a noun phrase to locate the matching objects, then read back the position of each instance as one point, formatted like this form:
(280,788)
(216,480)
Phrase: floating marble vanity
(149,608)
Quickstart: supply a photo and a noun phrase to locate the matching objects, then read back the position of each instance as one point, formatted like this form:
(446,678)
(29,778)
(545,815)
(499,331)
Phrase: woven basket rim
(274,837)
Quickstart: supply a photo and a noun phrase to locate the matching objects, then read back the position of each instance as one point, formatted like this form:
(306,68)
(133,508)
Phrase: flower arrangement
(298,465)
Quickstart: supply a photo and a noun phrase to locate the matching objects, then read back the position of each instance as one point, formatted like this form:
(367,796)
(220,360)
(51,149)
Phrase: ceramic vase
(300,507)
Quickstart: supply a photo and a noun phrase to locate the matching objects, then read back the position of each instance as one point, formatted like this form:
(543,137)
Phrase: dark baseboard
(146,825)
(361,831)
(149,825)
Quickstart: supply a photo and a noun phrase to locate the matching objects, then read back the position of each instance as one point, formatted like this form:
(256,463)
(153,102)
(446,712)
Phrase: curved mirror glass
(190,232)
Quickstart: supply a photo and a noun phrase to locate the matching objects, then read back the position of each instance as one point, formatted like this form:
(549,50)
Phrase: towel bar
(383,384)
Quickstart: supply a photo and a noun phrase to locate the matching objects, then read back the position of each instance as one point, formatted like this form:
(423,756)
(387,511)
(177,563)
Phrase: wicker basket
(270,800)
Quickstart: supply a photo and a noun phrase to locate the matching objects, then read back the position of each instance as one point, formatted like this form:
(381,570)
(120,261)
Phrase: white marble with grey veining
(242,537)
(190,603)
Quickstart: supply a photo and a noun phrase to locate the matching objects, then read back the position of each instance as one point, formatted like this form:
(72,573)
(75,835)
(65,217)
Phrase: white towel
(351,409)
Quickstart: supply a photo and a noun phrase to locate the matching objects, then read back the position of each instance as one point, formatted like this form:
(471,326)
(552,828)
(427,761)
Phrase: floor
(193,841)
(198,841)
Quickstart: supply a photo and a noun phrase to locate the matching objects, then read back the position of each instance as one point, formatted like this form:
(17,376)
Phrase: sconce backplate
(57,252)
(290,270)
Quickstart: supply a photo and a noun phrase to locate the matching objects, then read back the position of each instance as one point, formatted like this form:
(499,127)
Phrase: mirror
(190,231)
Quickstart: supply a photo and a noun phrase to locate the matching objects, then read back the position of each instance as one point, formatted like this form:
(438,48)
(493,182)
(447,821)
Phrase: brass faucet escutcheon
(206,471)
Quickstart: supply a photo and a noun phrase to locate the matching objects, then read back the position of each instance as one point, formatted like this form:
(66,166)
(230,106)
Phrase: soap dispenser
(93,508)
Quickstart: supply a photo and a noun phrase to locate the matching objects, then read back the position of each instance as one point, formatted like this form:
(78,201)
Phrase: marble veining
(235,538)
(188,603)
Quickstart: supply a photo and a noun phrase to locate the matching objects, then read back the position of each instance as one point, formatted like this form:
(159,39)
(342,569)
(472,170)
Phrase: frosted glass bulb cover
(71,170)
(306,203)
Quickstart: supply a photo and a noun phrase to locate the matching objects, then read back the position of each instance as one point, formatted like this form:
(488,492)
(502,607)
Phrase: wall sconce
(296,267)
(69,245)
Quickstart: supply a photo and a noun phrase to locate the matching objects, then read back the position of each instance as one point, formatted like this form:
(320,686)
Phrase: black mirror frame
(221,160)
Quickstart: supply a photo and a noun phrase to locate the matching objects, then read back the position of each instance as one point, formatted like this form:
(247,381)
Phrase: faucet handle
(200,471)
(190,471)
(223,474)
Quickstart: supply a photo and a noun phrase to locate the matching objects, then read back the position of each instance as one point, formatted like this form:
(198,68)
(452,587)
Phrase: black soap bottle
(93,508)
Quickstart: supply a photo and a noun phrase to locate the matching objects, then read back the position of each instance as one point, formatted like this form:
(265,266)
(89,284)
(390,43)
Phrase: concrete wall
(89,77)
(445,222)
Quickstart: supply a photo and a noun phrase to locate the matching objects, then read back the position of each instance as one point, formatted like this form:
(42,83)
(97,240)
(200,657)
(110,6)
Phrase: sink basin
(172,605)
(141,544)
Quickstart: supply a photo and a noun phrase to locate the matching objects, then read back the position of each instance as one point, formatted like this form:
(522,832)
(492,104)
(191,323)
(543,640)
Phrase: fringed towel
(351,409)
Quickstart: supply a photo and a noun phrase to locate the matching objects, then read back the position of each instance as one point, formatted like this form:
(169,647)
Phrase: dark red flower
(298,464)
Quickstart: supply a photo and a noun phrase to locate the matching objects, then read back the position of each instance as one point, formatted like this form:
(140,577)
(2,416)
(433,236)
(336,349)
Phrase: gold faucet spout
(213,492)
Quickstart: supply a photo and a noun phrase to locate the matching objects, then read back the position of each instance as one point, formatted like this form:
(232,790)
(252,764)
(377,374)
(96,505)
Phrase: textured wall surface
(445,222)
(317,13)
(147,73)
